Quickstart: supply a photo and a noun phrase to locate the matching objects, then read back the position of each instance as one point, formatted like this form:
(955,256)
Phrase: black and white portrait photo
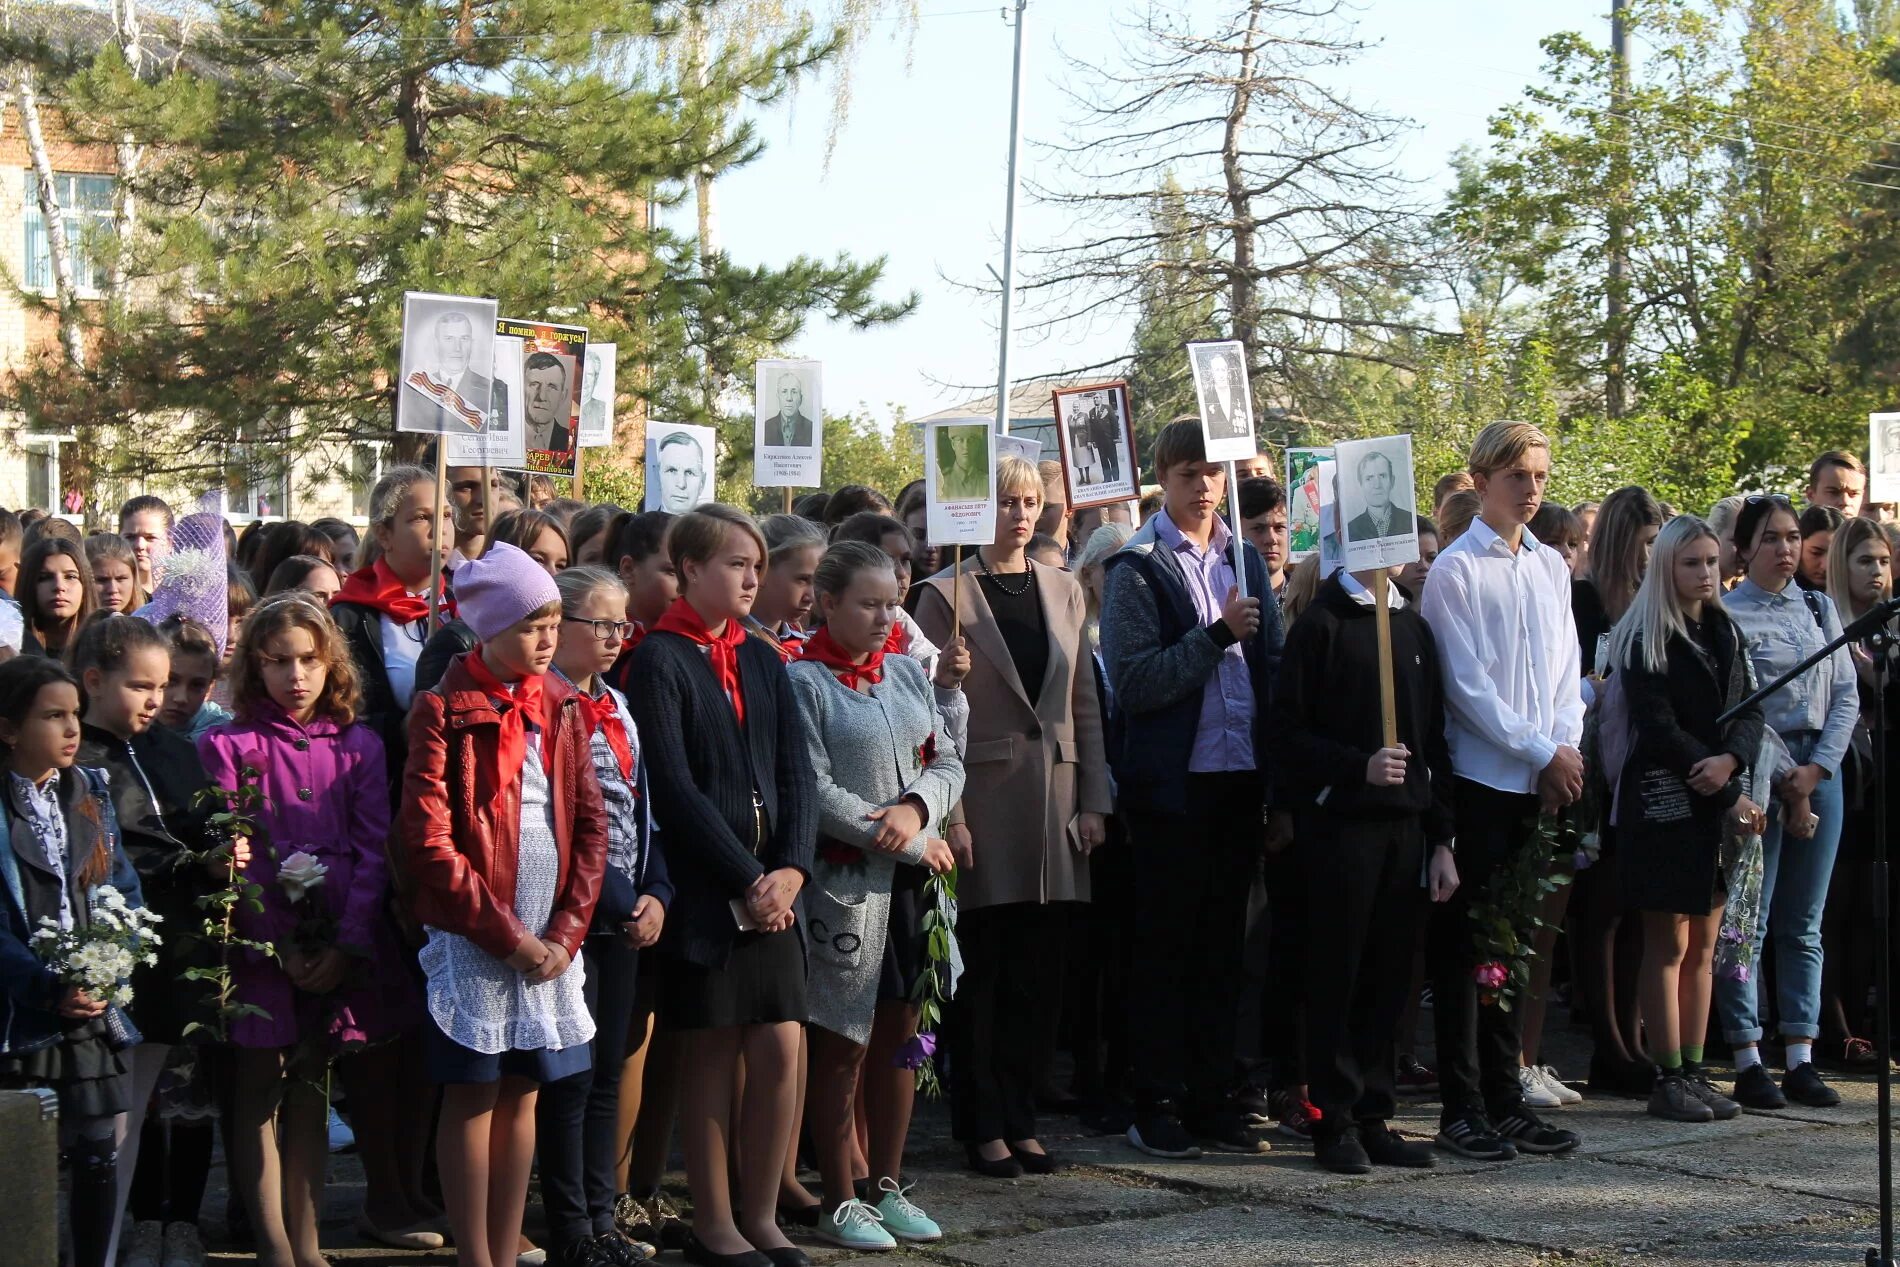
(960,482)
(500,444)
(1883,458)
(547,382)
(1095,431)
(597,396)
(788,438)
(1380,528)
(1220,386)
(447,353)
(679,467)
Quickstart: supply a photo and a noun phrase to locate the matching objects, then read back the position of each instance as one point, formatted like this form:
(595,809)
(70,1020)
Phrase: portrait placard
(1883,452)
(552,357)
(1022,447)
(597,396)
(1226,401)
(960,482)
(1379,528)
(680,463)
(500,444)
(1332,555)
(1302,502)
(788,424)
(1095,430)
(447,348)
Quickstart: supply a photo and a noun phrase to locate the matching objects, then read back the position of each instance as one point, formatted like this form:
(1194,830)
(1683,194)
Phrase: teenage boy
(1363,814)
(1838,481)
(1190,663)
(1498,602)
(1263,521)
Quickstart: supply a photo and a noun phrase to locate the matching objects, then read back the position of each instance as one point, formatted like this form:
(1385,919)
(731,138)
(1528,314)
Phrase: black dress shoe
(804,1216)
(1755,1089)
(790,1256)
(1003,1168)
(1034,1163)
(697,1253)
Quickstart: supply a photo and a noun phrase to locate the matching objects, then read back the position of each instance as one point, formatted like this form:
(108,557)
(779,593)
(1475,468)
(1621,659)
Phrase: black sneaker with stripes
(1530,1134)
(1473,1136)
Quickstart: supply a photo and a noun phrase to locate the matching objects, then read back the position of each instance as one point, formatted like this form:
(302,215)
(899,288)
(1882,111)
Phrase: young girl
(187,707)
(1682,663)
(56,595)
(308,573)
(504,845)
(320,774)
(154,776)
(732,783)
(61,845)
(577,1118)
(146,524)
(884,775)
(536,534)
(115,577)
(639,556)
(782,614)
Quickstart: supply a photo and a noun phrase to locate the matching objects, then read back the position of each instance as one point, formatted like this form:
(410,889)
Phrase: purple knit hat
(501,587)
(193,579)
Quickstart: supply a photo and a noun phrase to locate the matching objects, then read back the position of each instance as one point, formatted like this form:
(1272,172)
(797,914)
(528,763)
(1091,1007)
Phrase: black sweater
(1675,712)
(703,768)
(1324,724)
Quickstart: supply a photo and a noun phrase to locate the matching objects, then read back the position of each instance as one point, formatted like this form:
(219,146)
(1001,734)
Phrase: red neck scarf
(894,644)
(822,648)
(604,715)
(526,702)
(377,587)
(681,618)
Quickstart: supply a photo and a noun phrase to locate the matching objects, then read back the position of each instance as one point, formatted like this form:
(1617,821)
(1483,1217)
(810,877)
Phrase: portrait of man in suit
(595,401)
(1383,516)
(447,393)
(963,473)
(546,402)
(1105,433)
(1223,398)
(789,428)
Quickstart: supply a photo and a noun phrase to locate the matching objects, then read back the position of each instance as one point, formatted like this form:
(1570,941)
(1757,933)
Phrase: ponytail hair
(107,640)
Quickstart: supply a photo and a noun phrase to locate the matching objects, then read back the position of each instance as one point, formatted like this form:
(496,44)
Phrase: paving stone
(1829,1161)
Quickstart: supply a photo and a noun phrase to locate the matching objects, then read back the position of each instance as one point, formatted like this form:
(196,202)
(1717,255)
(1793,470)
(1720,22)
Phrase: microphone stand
(1872,628)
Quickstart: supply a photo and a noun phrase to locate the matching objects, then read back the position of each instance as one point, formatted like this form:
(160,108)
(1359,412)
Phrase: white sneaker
(1536,1094)
(144,1245)
(1554,1083)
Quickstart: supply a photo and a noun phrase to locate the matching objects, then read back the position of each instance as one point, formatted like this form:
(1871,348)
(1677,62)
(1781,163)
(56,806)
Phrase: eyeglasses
(1767,499)
(605,630)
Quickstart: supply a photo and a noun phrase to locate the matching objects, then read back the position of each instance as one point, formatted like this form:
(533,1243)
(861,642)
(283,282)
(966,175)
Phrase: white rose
(300,873)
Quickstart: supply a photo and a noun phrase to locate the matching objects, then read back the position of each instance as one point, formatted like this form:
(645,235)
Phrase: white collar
(1394,596)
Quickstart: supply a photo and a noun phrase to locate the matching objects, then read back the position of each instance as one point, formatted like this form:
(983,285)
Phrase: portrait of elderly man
(680,465)
(547,402)
(1383,516)
(789,428)
(1223,398)
(455,397)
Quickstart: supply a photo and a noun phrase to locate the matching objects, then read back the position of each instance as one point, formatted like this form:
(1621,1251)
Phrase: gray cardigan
(867,751)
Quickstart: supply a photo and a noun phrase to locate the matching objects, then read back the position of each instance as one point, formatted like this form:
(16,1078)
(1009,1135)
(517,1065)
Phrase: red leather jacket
(457,829)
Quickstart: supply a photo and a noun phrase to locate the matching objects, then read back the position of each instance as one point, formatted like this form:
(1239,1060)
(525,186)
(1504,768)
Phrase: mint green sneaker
(855,1225)
(902,1219)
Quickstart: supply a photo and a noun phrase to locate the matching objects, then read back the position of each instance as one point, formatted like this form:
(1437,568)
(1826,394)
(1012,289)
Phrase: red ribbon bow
(723,649)
(822,648)
(525,701)
(378,588)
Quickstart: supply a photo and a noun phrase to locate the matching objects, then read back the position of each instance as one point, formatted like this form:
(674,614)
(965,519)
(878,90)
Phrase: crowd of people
(540,840)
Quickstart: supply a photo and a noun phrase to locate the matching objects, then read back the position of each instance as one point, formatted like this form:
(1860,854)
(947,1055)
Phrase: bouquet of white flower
(99,958)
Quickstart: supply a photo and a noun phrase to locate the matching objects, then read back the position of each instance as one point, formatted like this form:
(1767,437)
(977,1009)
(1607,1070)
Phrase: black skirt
(1677,869)
(906,948)
(763,983)
(91,1078)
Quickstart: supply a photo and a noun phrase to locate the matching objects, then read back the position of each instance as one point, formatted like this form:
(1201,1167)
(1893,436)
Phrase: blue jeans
(1795,875)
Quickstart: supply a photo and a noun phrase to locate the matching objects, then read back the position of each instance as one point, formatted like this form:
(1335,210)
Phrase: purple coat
(326,793)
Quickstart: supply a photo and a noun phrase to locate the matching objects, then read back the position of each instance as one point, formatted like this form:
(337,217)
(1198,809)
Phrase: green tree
(857,451)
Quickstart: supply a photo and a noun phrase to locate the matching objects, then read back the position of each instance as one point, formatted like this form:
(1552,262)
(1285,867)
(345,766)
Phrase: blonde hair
(1302,586)
(1847,539)
(1655,615)
(1456,514)
(295,609)
(698,535)
(1502,445)
(1014,477)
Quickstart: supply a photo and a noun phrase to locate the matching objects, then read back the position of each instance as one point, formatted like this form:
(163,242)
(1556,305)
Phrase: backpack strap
(1813,600)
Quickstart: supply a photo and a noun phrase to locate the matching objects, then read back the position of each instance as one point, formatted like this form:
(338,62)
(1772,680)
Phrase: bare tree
(1290,216)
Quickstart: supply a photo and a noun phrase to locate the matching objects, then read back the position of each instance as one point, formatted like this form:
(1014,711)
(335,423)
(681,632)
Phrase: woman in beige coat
(1035,796)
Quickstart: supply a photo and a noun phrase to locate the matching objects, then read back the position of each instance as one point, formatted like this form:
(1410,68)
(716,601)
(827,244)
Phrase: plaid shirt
(620,798)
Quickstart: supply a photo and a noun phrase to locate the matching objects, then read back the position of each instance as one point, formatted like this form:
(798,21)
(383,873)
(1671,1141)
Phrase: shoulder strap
(1813,601)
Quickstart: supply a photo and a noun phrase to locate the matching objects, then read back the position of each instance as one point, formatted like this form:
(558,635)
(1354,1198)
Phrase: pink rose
(1490,976)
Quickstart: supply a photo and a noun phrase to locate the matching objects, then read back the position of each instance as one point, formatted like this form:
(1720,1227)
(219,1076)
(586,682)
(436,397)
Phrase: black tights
(168,1185)
(94,1161)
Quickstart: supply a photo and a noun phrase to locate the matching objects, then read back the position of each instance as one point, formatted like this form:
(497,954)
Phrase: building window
(366,467)
(256,482)
(85,206)
(42,474)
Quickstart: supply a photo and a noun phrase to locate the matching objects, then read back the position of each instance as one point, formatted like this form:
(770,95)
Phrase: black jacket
(452,639)
(363,630)
(1674,716)
(153,781)
(703,769)
(1325,721)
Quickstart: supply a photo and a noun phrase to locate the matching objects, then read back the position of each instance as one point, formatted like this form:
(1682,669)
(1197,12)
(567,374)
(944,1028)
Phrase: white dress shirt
(1507,646)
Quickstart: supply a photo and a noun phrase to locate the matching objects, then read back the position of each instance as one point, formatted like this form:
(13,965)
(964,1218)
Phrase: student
(321,778)
(536,534)
(187,708)
(911,512)
(1815,717)
(1190,665)
(468,508)
(1447,487)
(343,543)
(1498,602)
(850,500)
(884,777)
(1559,528)
(146,522)
(154,777)
(114,573)
(1368,821)
(577,1117)
(1263,521)
(587,532)
(62,844)
(11,535)
(503,844)
(1681,664)
(638,556)
(57,596)
(283,541)
(1035,805)
(1818,526)
(782,614)
(1838,481)
(732,785)
(1412,576)
(308,573)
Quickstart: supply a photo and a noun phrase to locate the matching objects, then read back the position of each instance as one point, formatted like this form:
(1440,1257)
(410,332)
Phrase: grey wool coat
(868,750)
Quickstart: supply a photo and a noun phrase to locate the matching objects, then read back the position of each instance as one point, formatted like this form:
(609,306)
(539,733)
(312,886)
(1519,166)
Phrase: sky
(918,173)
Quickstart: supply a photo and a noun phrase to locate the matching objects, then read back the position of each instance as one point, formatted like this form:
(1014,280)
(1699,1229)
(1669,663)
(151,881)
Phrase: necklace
(996,578)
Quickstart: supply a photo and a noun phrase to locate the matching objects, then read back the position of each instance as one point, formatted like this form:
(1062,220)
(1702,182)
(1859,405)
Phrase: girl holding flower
(885,776)
(62,849)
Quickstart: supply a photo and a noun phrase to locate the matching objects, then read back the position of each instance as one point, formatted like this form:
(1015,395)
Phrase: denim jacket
(1782,631)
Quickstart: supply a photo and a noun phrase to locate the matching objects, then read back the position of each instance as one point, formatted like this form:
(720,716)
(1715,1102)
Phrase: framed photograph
(1220,386)
(960,482)
(500,444)
(1332,555)
(1883,457)
(1022,447)
(680,462)
(788,436)
(552,357)
(1302,502)
(1379,528)
(447,353)
(1095,430)
(597,396)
